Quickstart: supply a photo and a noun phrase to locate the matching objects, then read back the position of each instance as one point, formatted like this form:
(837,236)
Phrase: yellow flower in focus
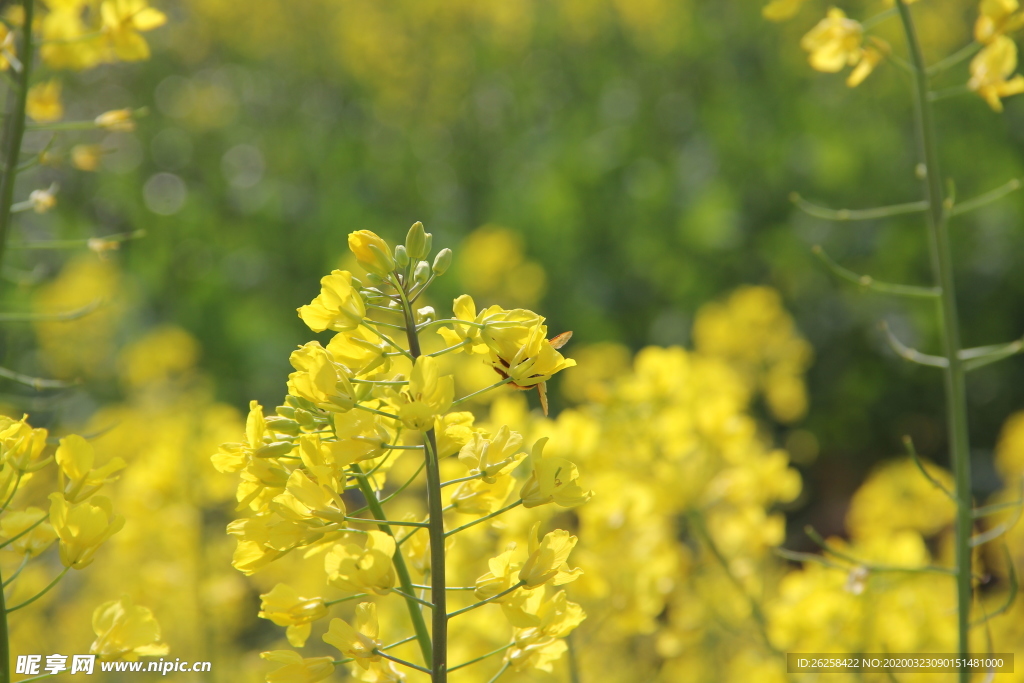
(319,379)
(75,457)
(547,562)
(372,252)
(538,647)
(478,497)
(338,307)
(361,350)
(118,120)
(427,396)
(834,43)
(780,10)
(86,157)
(82,528)
(995,18)
(295,669)
(363,569)
(494,457)
(33,542)
(43,104)
(360,641)
(123,23)
(990,69)
(553,480)
(502,575)
(125,631)
(525,354)
(304,499)
(283,606)
(453,432)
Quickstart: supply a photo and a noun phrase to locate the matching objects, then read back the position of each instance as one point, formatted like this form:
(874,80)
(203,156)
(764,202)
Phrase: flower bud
(417,242)
(401,256)
(274,450)
(372,252)
(121,120)
(442,261)
(422,273)
(283,425)
(375,279)
(425,315)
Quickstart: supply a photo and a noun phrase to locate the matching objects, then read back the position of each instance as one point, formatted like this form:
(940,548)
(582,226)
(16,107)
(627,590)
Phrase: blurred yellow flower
(82,528)
(22,445)
(285,607)
(123,23)
(780,10)
(360,641)
(35,541)
(125,631)
(42,201)
(295,669)
(372,252)
(995,18)
(43,104)
(338,307)
(86,157)
(991,67)
(120,120)
(75,457)
(836,42)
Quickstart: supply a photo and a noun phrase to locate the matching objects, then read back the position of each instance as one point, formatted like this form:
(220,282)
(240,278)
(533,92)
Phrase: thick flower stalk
(379,399)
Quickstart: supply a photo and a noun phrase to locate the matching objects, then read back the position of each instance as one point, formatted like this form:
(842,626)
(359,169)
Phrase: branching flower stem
(438,594)
(14,132)
(953,374)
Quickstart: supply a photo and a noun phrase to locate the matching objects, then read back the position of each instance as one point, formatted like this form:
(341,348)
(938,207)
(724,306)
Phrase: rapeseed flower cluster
(355,472)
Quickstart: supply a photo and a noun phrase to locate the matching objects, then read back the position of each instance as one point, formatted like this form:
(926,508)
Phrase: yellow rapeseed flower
(553,480)
(366,569)
(427,395)
(780,10)
(319,379)
(123,24)
(33,542)
(125,631)
(493,457)
(547,562)
(294,669)
(43,104)
(285,607)
(996,18)
(990,69)
(75,457)
(338,307)
(836,42)
(359,641)
(118,120)
(372,252)
(82,528)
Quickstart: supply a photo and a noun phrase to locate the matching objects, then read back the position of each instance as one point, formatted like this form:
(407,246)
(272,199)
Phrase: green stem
(40,593)
(5,644)
(419,625)
(942,267)
(482,657)
(438,593)
(484,518)
(488,600)
(14,132)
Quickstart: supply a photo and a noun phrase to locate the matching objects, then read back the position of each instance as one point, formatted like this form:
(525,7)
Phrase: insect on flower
(557,342)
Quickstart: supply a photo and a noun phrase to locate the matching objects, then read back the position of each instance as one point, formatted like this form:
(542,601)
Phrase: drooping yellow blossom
(42,201)
(453,430)
(75,457)
(996,18)
(86,157)
(547,562)
(524,353)
(264,538)
(502,575)
(372,252)
(362,569)
(361,350)
(834,43)
(493,457)
(360,436)
(82,528)
(537,647)
(870,58)
(990,69)
(119,120)
(553,480)
(427,396)
(125,631)
(123,23)
(338,307)
(359,641)
(285,607)
(780,10)
(69,43)
(294,669)
(35,541)
(43,104)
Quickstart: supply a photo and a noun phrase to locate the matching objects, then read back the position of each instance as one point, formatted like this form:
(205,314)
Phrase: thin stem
(868,282)
(40,593)
(927,569)
(956,395)
(10,579)
(401,570)
(14,538)
(987,198)
(484,518)
(359,520)
(14,489)
(397,660)
(462,479)
(351,597)
(360,406)
(501,671)
(955,58)
(438,594)
(481,391)
(60,316)
(77,243)
(413,597)
(455,347)
(488,600)
(574,664)
(14,133)
(842,215)
(482,657)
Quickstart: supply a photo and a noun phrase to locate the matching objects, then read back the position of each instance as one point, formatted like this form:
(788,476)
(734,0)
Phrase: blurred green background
(644,150)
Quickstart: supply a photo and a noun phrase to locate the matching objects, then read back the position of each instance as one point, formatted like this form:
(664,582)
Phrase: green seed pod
(283,425)
(401,256)
(305,418)
(442,261)
(274,450)
(417,242)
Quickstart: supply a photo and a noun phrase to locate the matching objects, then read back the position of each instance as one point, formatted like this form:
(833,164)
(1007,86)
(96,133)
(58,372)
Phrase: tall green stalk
(953,373)
(438,586)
